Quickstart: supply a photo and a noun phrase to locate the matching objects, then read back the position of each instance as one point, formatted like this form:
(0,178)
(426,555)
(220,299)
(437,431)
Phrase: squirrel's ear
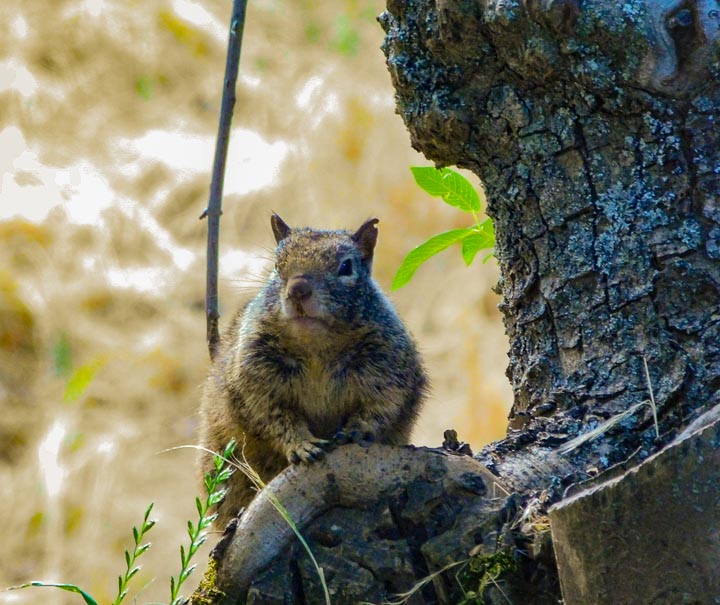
(365,238)
(279,227)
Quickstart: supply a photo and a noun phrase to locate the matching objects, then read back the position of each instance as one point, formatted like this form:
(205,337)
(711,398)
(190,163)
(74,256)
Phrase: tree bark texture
(593,126)
(401,499)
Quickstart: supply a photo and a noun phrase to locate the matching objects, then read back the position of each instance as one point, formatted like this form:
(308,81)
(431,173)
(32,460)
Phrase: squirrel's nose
(299,288)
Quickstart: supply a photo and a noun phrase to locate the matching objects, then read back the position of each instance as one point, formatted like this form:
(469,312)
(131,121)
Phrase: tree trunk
(594,134)
(593,127)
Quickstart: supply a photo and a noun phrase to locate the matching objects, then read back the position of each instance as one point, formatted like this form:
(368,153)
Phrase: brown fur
(318,355)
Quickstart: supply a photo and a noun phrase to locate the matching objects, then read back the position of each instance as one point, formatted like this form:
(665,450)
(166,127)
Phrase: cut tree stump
(648,537)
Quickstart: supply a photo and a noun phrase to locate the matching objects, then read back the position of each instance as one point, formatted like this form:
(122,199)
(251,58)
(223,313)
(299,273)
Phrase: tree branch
(214,208)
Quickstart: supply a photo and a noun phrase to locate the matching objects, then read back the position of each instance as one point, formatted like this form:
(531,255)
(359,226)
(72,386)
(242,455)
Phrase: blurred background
(108,117)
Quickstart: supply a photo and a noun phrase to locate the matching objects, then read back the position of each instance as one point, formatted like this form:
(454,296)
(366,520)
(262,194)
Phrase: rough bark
(593,126)
(594,133)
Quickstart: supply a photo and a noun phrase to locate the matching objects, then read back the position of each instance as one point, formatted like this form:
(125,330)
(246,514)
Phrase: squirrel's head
(323,276)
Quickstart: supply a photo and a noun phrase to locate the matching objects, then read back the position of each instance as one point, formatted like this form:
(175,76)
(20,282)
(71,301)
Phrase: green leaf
(449,185)
(148,525)
(68,587)
(147,514)
(423,252)
(81,379)
(202,538)
(186,573)
(224,475)
(216,497)
(429,179)
(142,549)
(480,239)
(230,449)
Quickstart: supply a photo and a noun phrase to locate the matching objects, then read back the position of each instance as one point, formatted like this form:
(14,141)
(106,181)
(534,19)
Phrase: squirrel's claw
(307,451)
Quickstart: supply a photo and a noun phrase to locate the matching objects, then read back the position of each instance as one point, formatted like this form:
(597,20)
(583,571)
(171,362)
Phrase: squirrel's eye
(346,267)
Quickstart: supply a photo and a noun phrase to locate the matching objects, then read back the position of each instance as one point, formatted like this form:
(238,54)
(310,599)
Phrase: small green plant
(240,463)
(198,534)
(455,190)
(214,482)
(130,558)
(476,573)
(123,581)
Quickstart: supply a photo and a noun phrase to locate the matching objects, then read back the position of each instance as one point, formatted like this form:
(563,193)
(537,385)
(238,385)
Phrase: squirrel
(319,357)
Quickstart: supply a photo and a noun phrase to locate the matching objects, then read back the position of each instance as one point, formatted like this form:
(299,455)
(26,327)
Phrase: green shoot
(455,190)
(130,558)
(214,481)
(198,534)
(123,581)
(244,467)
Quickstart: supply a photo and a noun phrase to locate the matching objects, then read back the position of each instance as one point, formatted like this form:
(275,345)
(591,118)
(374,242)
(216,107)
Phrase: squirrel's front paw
(365,438)
(306,451)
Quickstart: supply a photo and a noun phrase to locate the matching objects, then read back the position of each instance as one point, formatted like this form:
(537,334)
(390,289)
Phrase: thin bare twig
(214,208)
